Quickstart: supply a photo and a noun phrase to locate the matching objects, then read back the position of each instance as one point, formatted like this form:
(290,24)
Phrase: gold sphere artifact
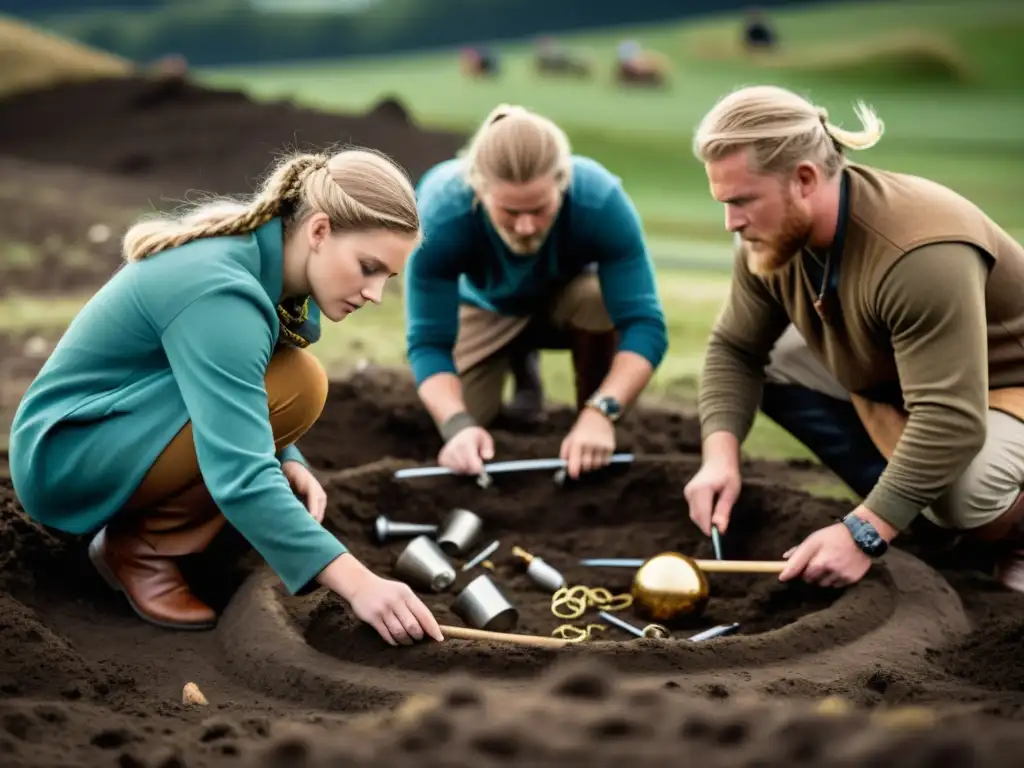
(670,585)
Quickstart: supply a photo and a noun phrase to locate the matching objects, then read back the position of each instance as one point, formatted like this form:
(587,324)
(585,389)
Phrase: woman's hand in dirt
(589,445)
(828,557)
(390,607)
(394,610)
(711,493)
(306,487)
(466,452)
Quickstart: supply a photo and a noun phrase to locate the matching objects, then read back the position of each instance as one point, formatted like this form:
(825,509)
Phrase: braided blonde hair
(358,189)
(516,146)
(782,130)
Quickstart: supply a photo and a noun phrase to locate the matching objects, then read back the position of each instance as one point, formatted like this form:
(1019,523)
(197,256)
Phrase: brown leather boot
(592,355)
(135,554)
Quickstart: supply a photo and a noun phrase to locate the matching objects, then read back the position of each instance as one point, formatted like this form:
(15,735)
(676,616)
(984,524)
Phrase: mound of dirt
(296,680)
(183,137)
(72,187)
(580,715)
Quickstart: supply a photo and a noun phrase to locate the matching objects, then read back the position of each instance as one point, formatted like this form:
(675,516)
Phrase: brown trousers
(172,506)
(482,351)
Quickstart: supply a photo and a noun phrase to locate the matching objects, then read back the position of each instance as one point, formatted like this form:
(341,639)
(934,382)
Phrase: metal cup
(460,531)
(423,564)
(385,529)
(483,605)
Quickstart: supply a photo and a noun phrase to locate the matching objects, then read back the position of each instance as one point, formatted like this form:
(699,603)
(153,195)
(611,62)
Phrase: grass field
(942,75)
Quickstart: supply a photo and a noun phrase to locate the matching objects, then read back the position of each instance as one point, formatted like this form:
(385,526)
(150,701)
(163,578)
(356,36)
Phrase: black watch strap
(866,536)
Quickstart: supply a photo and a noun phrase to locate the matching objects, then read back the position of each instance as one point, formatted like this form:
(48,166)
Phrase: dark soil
(813,678)
(101,152)
(83,681)
(187,137)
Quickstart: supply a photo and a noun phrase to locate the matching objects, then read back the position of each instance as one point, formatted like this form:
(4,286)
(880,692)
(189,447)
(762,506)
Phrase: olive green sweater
(929,316)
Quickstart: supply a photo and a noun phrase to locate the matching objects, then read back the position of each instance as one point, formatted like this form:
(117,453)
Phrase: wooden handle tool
(741,566)
(465,633)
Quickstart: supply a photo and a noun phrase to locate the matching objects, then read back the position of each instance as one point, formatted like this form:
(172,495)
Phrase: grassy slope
(32,58)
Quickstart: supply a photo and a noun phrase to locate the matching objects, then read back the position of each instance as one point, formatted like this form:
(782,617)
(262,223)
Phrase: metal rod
(620,623)
(721,629)
(613,562)
(483,555)
(497,467)
(716,541)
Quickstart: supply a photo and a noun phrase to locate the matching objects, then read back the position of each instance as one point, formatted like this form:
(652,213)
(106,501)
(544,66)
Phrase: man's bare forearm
(628,376)
(722,448)
(441,394)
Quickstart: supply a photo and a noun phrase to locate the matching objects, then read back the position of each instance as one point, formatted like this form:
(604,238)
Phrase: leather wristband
(455,424)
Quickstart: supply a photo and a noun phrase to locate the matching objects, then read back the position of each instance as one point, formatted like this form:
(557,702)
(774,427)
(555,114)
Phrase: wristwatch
(865,536)
(607,405)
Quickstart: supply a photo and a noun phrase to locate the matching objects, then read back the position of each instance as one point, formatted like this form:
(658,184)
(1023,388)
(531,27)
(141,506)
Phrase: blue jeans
(830,429)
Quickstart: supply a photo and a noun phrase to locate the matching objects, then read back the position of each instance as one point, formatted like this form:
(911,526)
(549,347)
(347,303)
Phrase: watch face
(608,406)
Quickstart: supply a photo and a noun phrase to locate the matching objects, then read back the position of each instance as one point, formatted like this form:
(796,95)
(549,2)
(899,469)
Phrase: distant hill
(31,58)
(214,32)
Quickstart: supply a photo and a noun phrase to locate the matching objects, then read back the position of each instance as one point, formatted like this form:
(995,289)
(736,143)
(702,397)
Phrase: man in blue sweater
(527,246)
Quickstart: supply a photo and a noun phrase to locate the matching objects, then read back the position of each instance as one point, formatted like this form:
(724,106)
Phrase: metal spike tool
(503,467)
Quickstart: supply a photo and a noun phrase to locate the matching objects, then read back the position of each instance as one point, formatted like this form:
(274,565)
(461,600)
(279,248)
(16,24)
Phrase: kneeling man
(890,313)
(528,246)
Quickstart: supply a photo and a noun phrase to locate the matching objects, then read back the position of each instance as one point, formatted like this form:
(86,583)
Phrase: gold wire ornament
(573,602)
(575,634)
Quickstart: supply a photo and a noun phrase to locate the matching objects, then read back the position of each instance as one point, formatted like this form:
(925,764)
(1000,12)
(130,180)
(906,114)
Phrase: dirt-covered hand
(307,487)
(394,610)
(710,495)
(466,452)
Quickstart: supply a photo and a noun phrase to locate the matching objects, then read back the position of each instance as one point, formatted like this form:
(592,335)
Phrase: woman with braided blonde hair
(878,317)
(173,402)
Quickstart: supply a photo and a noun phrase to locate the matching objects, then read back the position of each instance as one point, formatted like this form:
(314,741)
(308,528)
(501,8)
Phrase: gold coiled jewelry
(573,602)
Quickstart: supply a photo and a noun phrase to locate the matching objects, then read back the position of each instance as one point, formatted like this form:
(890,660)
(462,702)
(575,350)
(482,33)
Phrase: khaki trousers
(485,342)
(992,481)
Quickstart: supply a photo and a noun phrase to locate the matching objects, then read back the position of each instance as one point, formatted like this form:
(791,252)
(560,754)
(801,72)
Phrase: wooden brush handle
(464,633)
(741,566)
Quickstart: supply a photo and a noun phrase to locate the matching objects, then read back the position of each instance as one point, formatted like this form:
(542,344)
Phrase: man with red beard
(527,246)
(877,316)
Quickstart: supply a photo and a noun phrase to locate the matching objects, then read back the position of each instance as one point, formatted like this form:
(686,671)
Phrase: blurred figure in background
(478,61)
(554,58)
(879,318)
(527,246)
(635,65)
(758,32)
